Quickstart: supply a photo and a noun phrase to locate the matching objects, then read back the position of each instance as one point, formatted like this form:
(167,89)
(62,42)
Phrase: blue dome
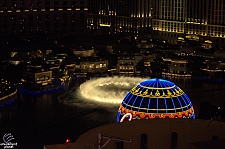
(155,98)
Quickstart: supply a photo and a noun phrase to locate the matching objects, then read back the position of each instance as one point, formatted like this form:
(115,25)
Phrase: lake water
(37,120)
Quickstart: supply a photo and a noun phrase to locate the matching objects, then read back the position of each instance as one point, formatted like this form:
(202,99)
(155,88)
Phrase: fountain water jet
(109,89)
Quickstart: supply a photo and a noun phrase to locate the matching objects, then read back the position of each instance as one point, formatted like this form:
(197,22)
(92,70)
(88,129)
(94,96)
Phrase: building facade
(80,51)
(127,64)
(169,19)
(177,67)
(92,65)
(32,17)
(37,76)
(119,16)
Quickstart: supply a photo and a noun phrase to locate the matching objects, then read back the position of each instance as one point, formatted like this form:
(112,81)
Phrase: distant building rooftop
(35,69)
(91,59)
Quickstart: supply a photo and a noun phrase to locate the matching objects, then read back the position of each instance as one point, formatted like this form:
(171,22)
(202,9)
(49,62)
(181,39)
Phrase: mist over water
(101,92)
(109,90)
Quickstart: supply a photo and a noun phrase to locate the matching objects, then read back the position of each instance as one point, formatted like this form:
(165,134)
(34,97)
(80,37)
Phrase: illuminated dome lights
(109,89)
(155,98)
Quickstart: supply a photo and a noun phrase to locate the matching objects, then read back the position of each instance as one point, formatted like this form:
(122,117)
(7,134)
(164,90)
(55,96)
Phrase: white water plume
(108,90)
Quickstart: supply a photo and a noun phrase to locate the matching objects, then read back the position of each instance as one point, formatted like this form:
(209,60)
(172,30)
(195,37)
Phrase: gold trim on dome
(163,88)
(156,94)
(142,115)
(156,109)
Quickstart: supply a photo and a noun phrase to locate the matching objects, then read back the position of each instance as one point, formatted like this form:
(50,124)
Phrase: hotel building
(171,20)
(28,18)
(119,16)
(91,65)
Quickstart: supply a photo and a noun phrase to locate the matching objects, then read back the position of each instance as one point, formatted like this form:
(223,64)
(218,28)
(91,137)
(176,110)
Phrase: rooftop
(158,134)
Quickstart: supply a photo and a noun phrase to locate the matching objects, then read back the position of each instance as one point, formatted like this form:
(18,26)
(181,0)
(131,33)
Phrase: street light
(67,143)
(67,140)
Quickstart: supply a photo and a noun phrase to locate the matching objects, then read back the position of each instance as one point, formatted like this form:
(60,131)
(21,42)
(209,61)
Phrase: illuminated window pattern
(156,98)
(169,19)
(29,17)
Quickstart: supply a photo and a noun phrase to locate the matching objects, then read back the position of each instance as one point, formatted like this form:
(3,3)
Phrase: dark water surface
(37,120)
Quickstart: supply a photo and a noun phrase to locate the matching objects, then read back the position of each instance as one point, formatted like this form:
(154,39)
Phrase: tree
(71,58)
(157,65)
(142,68)
(195,66)
(112,58)
(11,70)
(37,61)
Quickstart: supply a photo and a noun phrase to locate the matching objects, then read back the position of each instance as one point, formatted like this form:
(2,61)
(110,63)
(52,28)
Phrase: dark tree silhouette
(13,73)
(112,58)
(146,70)
(195,66)
(157,66)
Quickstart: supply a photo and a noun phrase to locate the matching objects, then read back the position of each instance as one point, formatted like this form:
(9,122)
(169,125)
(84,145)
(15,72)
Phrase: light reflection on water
(197,92)
(42,117)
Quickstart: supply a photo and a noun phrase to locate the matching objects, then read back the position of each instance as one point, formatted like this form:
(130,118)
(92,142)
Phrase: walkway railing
(2,98)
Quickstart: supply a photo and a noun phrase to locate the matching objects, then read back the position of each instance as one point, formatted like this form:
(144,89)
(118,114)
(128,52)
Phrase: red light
(67,140)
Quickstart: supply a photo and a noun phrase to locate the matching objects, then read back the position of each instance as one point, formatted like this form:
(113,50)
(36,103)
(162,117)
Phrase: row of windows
(178,65)
(46,30)
(173,4)
(39,2)
(46,8)
(92,66)
(40,6)
(46,17)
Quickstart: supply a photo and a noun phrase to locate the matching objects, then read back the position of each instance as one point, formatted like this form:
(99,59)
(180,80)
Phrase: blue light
(118,116)
(140,103)
(165,104)
(149,101)
(157,102)
(11,102)
(134,102)
(157,96)
(129,98)
(26,91)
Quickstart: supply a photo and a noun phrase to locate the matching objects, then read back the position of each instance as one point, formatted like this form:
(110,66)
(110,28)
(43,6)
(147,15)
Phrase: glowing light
(108,90)
(67,140)
(155,98)
(8,95)
(106,25)
(129,115)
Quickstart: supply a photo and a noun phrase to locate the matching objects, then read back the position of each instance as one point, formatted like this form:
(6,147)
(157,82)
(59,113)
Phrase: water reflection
(39,118)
